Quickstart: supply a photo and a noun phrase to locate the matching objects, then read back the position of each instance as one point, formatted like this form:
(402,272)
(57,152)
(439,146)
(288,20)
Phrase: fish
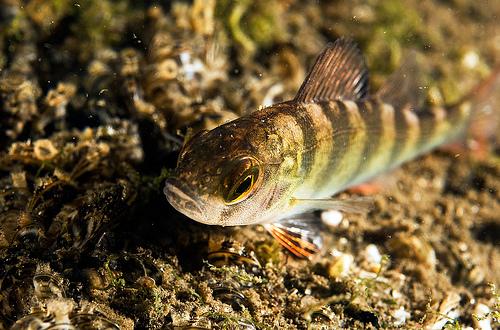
(275,164)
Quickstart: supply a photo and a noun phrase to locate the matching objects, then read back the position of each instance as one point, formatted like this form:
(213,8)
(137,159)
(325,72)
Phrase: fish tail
(485,89)
(475,118)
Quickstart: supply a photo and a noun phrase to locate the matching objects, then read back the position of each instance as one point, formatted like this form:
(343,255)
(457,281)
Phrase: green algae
(253,25)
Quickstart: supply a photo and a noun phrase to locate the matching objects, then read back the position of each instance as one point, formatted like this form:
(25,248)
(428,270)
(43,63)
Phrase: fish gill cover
(96,98)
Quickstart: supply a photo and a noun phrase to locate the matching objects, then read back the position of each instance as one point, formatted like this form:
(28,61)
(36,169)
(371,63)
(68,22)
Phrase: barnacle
(132,270)
(93,321)
(228,253)
(17,223)
(199,17)
(43,149)
(178,77)
(47,14)
(18,106)
(56,103)
(62,313)
(132,88)
(79,219)
(47,286)
(230,296)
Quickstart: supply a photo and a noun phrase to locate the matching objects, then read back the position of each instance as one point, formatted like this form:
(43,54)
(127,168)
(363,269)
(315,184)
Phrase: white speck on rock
(400,315)
(482,319)
(341,266)
(470,60)
(332,218)
(372,254)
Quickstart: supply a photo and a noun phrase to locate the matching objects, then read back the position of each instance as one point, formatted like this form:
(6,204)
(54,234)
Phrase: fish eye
(241,183)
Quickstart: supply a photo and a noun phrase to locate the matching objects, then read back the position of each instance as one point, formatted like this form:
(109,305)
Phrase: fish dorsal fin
(404,86)
(338,73)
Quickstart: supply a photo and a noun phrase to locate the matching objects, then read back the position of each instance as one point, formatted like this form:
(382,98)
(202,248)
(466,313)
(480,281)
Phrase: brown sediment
(92,98)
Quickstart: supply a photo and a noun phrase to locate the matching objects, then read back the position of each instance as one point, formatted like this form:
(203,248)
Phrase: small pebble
(482,320)
(470,60)
(341,266)
(400,315)
(372,254)
(373,257)
(331,218)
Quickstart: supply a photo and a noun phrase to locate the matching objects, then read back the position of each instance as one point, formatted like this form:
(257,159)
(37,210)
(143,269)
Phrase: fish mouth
(180,196)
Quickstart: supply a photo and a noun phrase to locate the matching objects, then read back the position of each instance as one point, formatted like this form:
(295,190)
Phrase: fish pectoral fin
(299,236)
(339,73)
(360,205)
(404,86)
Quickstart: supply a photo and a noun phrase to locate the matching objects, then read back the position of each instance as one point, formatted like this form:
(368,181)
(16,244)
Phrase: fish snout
(183,199)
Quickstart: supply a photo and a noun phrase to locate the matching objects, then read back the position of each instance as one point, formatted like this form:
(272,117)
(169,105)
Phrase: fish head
(222,180)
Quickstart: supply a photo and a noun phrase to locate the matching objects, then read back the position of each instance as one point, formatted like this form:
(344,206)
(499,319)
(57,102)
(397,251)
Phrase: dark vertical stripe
(371,114)
(401,135)
(428,124)
(337,115)
(324,133)
(306,124)
(439,124)
(358,137)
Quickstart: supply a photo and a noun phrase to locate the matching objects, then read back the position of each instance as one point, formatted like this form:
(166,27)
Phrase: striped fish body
(339,144)
(290,158)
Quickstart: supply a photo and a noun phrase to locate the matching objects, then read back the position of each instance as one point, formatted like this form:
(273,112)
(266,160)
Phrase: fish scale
(271,166)
(370,137)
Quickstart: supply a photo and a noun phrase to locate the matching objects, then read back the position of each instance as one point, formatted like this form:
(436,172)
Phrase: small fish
(273,165)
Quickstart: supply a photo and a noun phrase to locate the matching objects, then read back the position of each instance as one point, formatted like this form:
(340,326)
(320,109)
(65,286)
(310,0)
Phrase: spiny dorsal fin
(338,73)
(404,87)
